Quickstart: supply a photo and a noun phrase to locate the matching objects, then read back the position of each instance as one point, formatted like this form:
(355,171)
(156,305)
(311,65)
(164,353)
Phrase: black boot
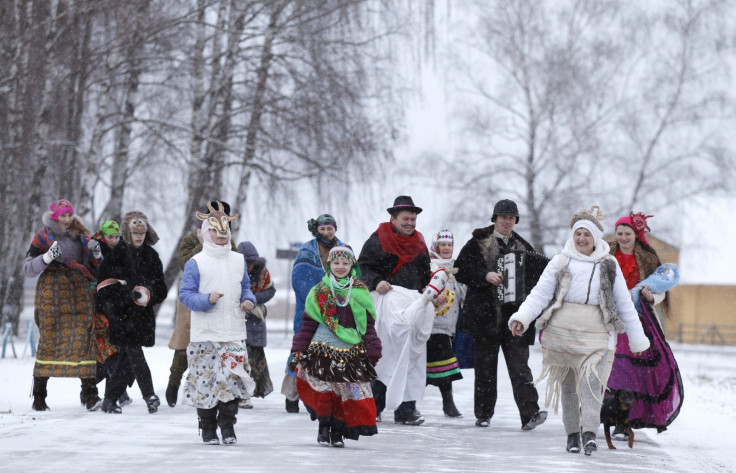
(152,402)
(39,394)
(208,425)
(573,443)
(448,404)
(323,436)
(111,407)
(226,412)
(589,444)
(89,395)
(172,394)
(124,399)
(292,407)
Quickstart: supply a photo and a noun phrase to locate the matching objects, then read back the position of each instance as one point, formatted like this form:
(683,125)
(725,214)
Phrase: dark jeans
(118,375)
(516,354)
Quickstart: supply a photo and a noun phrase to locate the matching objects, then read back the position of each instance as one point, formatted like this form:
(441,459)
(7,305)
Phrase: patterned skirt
(64,312)
(218,372)
(333,381)
(442,365)
(259,371)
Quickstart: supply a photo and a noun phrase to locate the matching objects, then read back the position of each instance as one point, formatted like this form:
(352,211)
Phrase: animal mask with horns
(218,218)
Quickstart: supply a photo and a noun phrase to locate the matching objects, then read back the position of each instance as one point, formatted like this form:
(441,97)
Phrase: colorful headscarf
(110,227)
(60,208)
(442,235)
(323,220)
(638,222)
(323,299)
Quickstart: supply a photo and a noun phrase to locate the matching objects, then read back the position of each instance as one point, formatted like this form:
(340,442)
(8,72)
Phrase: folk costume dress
(337,342)
(582,301)
(308,270)
(654,375)
(64,303)
(442,364)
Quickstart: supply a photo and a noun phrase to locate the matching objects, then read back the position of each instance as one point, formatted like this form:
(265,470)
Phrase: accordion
(521,271)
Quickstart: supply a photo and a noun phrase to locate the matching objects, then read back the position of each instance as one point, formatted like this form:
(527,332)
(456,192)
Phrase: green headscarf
(322,307)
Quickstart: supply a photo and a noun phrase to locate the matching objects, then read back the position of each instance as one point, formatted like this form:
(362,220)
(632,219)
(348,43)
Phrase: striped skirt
(442,365)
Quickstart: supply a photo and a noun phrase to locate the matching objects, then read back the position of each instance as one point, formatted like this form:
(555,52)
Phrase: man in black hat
(486,319)
(396,258)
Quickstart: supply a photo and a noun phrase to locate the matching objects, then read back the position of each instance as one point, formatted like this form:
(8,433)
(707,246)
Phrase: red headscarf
(407,248)
(638,222)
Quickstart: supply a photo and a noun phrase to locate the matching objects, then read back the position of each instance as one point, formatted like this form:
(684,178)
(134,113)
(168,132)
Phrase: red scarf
(629,268)
(407,248)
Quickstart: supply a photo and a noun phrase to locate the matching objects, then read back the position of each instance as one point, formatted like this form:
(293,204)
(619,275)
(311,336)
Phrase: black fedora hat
(404,202)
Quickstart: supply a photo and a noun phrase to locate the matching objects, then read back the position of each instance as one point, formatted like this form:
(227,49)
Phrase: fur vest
(606,300)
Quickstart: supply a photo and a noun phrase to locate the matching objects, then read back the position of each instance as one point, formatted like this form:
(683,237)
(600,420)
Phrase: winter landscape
(290,109)
(68,438)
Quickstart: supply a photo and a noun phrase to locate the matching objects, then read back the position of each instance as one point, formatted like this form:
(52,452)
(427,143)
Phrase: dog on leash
(615,411)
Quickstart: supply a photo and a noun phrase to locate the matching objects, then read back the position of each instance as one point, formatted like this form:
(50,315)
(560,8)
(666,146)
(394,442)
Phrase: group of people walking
(370,332)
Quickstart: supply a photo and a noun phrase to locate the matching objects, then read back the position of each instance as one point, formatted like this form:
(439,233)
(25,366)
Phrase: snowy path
(70,439)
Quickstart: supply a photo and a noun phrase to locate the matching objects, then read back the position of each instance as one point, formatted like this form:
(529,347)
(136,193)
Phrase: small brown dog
(615,411)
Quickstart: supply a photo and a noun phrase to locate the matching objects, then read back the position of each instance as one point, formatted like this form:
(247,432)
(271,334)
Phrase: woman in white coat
(582,303)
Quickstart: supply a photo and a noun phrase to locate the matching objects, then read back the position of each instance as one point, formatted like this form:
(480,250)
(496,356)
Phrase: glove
(294,360)
(141,296)
(94,247)
(54,253)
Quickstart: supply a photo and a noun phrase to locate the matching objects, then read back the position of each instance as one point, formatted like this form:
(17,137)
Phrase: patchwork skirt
(64,313)
(333,381)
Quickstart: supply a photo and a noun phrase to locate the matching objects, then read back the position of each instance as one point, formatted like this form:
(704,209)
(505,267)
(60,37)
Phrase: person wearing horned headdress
(216,288)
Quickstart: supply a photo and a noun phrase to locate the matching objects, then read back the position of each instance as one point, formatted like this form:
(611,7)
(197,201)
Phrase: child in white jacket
(582,302)
(216,288)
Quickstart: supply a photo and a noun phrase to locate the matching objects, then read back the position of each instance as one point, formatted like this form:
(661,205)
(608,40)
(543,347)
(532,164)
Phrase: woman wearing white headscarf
(582,302)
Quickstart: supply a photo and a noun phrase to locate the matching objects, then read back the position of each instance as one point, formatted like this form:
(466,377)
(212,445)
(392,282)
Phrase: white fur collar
(601,251)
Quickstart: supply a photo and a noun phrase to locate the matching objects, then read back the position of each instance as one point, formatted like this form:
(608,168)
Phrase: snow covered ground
(68,438)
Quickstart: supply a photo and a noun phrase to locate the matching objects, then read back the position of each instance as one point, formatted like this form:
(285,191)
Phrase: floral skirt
(218,372)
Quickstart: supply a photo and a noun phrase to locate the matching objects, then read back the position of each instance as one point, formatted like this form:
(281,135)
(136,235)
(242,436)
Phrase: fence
(706,334)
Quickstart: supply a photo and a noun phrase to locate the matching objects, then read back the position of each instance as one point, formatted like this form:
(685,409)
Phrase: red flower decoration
(639,221)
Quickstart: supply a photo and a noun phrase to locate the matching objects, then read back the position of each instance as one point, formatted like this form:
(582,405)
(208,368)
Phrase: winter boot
(124,399)
(323,436)
(226,412)
(208,425)
(245,403)
(39,394)
(89,396)
(109,406)
(536,419)
(448,404)
(172,394)
(573,443)
(336,439)
(589,444)
(152,402)
(292,407)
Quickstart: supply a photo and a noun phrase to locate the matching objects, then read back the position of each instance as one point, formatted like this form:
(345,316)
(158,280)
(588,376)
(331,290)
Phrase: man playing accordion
(486,317)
